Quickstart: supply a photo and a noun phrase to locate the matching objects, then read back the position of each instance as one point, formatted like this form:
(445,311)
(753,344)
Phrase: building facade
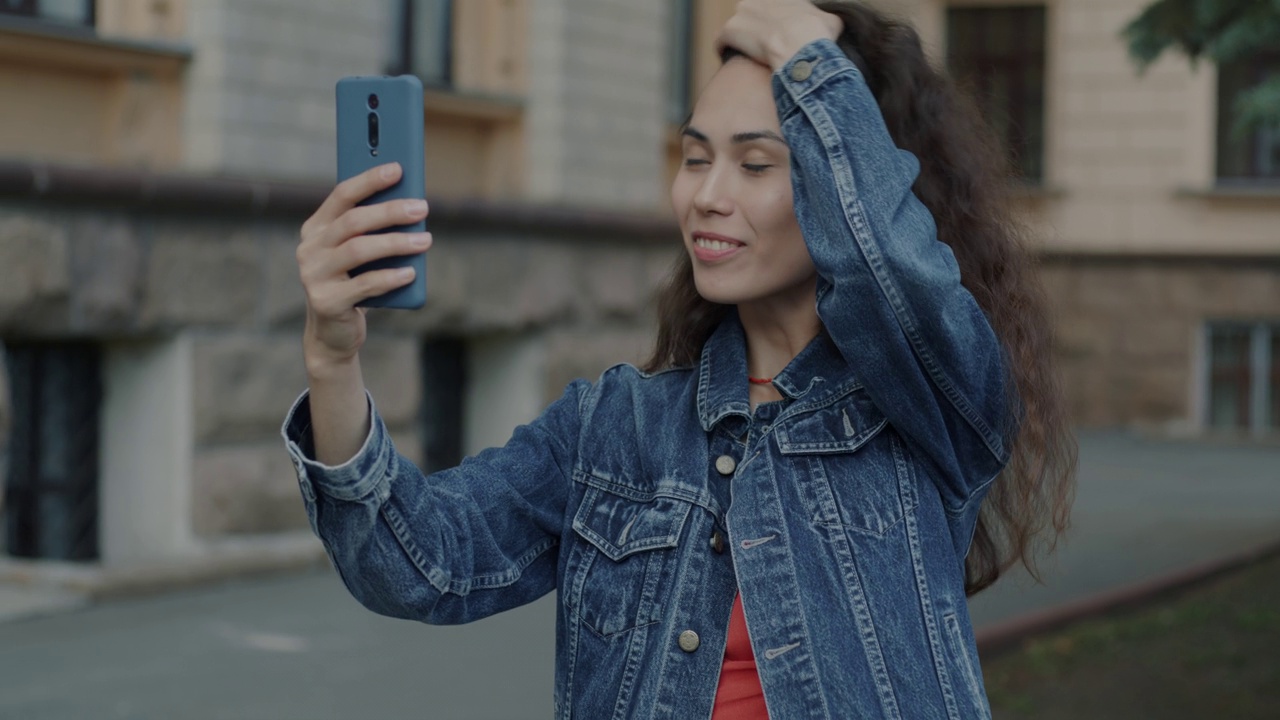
(162,155)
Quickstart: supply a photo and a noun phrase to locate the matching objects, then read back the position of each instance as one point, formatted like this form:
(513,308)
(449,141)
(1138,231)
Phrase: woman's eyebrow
(738,138)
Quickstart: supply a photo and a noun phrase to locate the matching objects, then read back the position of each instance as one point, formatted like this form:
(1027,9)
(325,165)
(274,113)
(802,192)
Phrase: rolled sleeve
(364,474)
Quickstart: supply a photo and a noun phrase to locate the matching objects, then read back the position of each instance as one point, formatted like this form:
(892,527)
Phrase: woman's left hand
(771,32)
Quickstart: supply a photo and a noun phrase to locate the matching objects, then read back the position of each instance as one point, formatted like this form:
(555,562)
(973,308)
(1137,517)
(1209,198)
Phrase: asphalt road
(290,647)
(300,647)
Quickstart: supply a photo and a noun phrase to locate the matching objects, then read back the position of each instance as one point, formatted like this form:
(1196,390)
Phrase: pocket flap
(620,526)
(840,428)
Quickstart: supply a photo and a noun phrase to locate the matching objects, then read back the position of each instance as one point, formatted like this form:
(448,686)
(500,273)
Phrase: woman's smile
(711,247)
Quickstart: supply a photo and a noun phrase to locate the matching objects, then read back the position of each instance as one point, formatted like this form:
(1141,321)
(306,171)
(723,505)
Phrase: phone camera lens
(373,130)
(373,102)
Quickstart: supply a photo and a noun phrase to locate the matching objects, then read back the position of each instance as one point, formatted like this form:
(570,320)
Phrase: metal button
(725,464)
(801,71)
(689,641)
(717,542)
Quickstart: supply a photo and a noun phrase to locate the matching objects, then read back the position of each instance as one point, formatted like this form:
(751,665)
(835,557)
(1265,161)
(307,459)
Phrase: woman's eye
(690,162)
(755,168)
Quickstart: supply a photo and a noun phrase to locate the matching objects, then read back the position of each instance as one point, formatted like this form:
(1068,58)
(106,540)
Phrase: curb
(1005,635)
(222,561)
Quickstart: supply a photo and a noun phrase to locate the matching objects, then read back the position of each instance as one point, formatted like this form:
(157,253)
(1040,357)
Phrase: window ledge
(1259,191)
(77,47)
(471,105)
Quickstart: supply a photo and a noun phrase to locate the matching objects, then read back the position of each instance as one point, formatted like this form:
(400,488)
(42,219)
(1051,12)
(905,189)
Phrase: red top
(739,696)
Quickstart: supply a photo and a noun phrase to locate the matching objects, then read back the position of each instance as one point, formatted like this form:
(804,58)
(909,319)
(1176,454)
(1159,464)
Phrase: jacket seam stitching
(855,217)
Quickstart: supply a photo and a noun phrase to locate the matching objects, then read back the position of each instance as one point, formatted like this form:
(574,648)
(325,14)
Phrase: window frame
(1262,378)
(29,488)
(405,56)
(680,70)
(444,368)
(1257,67)
(30,11)
(1027,148)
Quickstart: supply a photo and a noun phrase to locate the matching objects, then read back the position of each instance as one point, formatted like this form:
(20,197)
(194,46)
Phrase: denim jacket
(842,513)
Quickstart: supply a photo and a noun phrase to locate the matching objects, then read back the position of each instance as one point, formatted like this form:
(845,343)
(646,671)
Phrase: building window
(998,53)
(1254,155)
(51,492)
(424,41)
(680,69)
(76,12)
(1244,376)
(444,391)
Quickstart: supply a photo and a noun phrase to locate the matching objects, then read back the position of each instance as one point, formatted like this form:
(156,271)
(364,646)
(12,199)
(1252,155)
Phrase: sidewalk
(297,645)
(32,589)
(1146,509)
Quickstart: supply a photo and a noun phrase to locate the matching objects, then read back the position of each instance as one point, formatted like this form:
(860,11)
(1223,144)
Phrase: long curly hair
(966,180)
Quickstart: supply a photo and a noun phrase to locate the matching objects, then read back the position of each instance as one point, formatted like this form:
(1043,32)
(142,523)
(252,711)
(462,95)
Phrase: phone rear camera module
(373,130)
(373,101)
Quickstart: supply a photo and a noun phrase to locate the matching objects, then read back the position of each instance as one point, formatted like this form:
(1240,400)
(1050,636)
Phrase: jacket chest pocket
(851,468)
(627,558)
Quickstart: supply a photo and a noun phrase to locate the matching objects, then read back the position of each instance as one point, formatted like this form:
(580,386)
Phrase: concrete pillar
(506,378)
(147,449)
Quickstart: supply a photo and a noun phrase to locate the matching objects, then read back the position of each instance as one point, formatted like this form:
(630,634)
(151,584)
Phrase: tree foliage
(1224,31)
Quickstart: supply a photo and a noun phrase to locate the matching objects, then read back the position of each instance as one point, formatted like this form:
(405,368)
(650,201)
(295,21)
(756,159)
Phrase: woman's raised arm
(889,291)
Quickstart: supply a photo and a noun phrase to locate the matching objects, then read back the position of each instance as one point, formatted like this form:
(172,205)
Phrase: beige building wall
(1130,158)
(597,91)
(70,98)
(259,93)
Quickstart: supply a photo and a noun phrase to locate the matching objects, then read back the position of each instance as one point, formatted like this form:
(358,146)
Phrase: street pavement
(299,647)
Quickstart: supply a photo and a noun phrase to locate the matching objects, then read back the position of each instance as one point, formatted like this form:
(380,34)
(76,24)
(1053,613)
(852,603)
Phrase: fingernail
(405,272)
(389,171)
(417,207)
(422,240)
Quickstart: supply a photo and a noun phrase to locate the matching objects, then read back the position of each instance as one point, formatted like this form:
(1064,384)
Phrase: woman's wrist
(325,367)
(792,39)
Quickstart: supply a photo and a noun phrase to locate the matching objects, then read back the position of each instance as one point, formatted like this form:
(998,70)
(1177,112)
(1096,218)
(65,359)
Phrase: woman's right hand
(335,240)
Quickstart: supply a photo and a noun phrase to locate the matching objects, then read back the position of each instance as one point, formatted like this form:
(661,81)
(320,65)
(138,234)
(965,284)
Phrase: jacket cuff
(806,71)
(365,473)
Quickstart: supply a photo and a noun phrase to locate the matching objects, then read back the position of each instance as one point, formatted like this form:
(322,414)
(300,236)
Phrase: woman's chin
(712,292)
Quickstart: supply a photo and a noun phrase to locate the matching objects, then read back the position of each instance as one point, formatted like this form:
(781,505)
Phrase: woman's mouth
(709,248)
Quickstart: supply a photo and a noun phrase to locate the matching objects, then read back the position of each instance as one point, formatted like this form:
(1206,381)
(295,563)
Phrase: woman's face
(732,195)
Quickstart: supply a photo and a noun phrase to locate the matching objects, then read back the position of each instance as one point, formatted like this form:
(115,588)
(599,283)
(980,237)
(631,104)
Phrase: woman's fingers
(772,31)
(360,250)
(363,220)
(348,193)
(337,297)
(321,264)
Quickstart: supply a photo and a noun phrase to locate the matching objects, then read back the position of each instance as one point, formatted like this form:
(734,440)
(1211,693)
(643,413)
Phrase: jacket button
(725,465)
(801,71)
(717,542)
(689,641)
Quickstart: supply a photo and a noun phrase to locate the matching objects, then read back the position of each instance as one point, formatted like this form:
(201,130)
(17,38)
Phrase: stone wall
(1129,330)
(228,284)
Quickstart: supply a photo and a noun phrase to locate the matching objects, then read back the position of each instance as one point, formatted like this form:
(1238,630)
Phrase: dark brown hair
(966,182)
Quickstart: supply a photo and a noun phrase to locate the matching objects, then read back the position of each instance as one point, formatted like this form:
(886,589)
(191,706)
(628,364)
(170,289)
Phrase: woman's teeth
(714,244)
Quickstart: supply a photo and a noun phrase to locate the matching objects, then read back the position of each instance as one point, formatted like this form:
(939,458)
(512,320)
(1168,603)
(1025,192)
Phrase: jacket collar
(722,373)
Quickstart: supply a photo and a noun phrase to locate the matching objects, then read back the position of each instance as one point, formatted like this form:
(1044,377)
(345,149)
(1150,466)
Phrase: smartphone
(380,120)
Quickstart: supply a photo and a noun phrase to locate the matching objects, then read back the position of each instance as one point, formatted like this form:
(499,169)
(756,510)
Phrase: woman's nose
(713,194)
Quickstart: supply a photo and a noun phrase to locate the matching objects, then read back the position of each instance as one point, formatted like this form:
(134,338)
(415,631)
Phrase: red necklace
(759,381)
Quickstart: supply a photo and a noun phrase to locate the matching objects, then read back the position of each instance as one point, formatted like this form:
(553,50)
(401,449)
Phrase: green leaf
(1218,28)
(1257,108)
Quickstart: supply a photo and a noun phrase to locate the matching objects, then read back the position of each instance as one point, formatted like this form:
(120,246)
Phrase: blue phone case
(399,114)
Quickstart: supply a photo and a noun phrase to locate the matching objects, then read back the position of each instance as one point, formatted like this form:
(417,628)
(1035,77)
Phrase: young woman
(850,421)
